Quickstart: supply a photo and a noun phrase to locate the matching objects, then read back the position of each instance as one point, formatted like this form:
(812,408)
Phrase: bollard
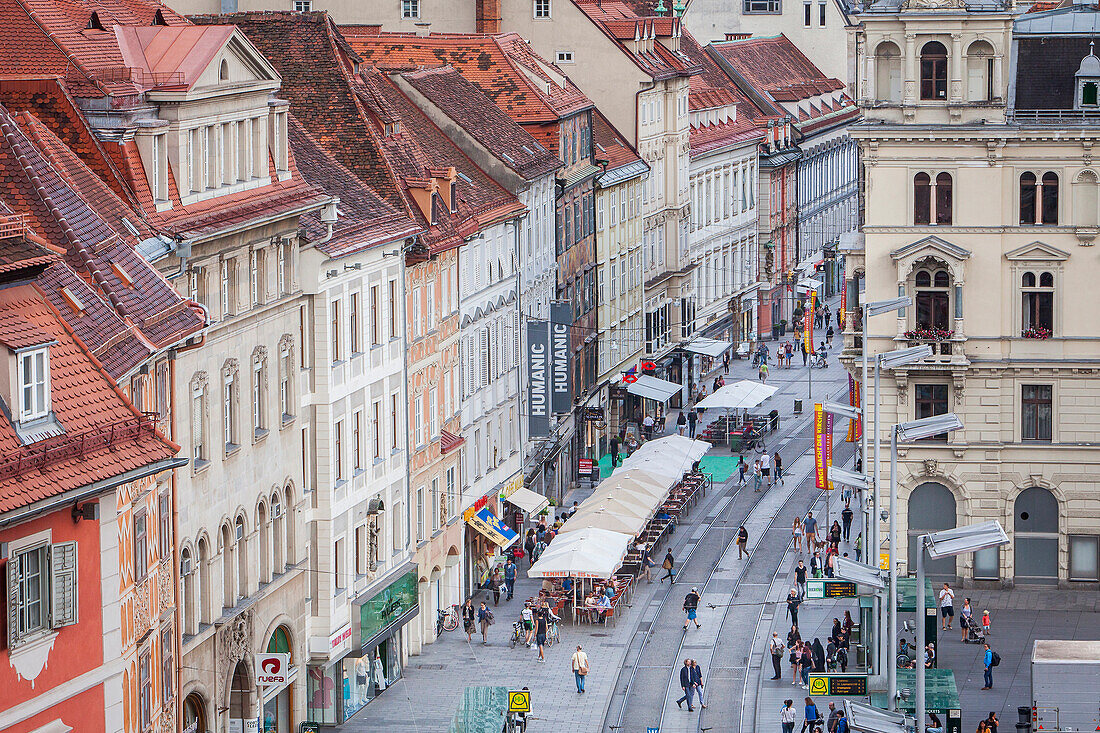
(798,407)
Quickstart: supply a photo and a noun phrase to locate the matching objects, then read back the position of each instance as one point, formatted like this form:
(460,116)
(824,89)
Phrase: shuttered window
(41,590)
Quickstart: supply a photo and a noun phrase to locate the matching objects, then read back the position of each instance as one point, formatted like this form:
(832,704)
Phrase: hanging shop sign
(272,670)
(561,389)
(592,414)
(538,379)
(823,446)
(478,505)
(855,424)
(394,604)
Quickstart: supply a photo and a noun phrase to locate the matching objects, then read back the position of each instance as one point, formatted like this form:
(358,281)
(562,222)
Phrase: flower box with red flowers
(1038,332)
(929,334)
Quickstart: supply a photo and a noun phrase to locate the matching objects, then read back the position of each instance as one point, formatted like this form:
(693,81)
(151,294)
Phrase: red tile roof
(104,435)
(610,145)
(123,321)
(501,66)
(365,220)
(623,21)
(449,441)
(476,114)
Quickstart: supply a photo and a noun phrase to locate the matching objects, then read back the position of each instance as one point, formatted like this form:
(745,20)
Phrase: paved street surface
(426,698)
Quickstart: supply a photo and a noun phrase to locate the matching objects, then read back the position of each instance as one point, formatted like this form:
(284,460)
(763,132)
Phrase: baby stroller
(974,632)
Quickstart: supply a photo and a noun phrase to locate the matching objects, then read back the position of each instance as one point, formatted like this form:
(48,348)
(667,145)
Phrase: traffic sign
(884,561)
(519,701)
(652,729)
(833,685)
(822,588)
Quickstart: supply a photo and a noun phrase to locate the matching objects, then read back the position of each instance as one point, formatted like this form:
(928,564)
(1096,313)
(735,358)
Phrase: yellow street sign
(819,685)
(884,561)
(519,701)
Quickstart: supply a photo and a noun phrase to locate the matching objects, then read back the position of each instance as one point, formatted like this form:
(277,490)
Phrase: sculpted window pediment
(1037,251)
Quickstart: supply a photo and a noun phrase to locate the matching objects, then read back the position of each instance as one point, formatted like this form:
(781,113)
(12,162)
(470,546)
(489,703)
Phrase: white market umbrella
(670,469)
(588,553)
(605,518)
(674,448)
(626,504)
(741,395)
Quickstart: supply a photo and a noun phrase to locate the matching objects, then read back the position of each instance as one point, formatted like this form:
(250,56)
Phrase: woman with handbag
(580,667)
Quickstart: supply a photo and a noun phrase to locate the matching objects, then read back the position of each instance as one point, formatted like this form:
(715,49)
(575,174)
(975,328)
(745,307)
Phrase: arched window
(933,299)
(933,71)
(1035,536)
(931,508)
(979,72)
(242,557)
(888,72)
(922,199)
(1050,198)
(206,613)
(263,529)
(288,511)
(944,199)
(278,539)
(1037,296)
(188,573)
(223,72)
(1027,198)
(229,571)
(1085,199)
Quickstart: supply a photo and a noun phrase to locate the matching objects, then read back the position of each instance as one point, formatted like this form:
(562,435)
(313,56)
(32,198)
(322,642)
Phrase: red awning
(449,441)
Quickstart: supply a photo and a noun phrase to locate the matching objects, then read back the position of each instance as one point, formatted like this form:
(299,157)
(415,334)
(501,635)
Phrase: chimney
(487,16)
(422,28)
(737,36)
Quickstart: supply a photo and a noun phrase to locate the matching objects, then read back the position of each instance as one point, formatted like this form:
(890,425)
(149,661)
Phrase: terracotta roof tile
(526,87)
(476,114)
(625,20)
(366,219)
(84,401)
(775,64)
(611,146)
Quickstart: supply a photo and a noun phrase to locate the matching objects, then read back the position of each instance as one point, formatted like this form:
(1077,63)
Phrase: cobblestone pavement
(426,698)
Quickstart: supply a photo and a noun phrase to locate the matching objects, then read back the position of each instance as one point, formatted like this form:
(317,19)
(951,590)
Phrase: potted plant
(929,333)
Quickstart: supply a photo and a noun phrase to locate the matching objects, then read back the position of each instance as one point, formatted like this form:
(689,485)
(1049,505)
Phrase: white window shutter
(63,605)
(483,367)
(13,600)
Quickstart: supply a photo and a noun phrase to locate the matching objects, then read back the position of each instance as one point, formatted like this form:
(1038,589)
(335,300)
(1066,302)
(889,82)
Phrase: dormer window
(158,18)
(454,196)
(1088,81)
(34,384)
(94,23)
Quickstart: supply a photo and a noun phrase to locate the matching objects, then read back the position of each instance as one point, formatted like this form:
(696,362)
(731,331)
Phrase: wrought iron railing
(50,451)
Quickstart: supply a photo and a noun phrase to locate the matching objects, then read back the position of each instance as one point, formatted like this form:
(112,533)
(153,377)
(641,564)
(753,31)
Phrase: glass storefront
(276,714)
(357,679)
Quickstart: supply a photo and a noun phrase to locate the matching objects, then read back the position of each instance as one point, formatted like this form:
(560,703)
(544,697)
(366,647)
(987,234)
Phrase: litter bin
(798,407)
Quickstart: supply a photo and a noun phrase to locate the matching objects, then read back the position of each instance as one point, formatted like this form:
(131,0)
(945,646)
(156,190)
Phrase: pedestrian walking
(529,546)
(842,657)
(777,649)
(788,716)
(726,362)
(842,723)
(796,533)
(763,372)
(859,546)
(800,579)
(805,355)
(830,722)
(777,461)
(846,517)
(809,526)
(542,625)
(742,542)
(691,606)
(580,667)
(669,566)
(741,468)
(757,476)
(614,448)
(681,423)
(991,722)
(496,582)
(693,418)
(829,334)
(647,563)
(484,619)
(527,616)
(805,665)
(793,602)
(510,577)
(834,534)
(697,682)
(991,660)
(947,607)
(812,716)
(815,565)
(817,653)
(687,686)
(986,621)
(469,613)
(766,467)
(796,660)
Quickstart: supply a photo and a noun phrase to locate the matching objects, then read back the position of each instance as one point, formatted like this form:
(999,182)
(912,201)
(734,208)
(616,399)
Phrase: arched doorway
(194,714)
(277,707)
(1035,536)
(931,509)
(240,696)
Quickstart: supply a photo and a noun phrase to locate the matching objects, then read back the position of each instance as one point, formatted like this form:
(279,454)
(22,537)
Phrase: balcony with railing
(1055,116)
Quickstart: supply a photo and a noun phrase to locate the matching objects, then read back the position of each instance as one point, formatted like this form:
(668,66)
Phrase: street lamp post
(948,543)
(925,427)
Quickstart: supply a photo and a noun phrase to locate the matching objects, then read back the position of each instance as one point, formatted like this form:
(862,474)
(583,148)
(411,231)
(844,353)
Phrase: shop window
(1084,558)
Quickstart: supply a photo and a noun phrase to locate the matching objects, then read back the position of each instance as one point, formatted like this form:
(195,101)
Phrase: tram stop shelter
(482,710)
(907,606)
(940,694)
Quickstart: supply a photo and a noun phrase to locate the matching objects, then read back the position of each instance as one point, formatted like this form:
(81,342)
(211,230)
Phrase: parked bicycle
(446,620)
(519,635)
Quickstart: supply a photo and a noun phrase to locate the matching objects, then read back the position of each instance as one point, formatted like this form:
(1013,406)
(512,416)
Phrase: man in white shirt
(766,467)
(947,607)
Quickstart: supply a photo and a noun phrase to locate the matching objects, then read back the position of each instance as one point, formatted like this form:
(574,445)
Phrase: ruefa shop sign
(272,670)
(538,379)
(561,318)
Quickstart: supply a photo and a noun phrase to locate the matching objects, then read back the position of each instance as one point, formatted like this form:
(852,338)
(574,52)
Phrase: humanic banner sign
(561,316)
(538,379)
